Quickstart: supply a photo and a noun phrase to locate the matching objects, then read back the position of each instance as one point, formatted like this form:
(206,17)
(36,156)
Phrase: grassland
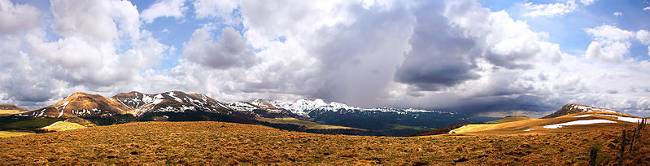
(9,112)
(25,123)
(63,126)
(5,134)
(217,143)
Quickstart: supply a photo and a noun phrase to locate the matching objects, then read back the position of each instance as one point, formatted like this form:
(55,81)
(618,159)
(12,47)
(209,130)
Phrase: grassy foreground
(217,143)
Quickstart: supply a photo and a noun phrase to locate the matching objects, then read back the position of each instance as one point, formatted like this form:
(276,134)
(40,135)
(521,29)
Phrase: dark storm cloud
(358,59)
(440,55)
(505,104)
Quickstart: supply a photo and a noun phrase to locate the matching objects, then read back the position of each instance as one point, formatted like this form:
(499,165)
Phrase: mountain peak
(573,108)
(81,104)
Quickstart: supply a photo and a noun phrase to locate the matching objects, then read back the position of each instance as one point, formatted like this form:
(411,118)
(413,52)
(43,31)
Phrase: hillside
(9,109)
(218,143)
(94,108)
(569,117)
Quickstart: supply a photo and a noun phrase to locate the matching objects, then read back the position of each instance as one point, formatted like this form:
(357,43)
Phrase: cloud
(617,14)
(587,2)
(164,8)
(16,17)
(553,9)
(101,49)
(230,50)
(441,55)
(450,55)
(611,44)
(644,37)
(357,60)
(646,8)
(211,8)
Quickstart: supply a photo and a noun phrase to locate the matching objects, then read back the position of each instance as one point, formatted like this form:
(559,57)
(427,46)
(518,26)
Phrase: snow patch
(621,118)
(578,122)
(157,99)
(171,94)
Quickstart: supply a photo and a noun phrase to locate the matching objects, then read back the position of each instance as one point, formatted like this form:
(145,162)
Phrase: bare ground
(217,143)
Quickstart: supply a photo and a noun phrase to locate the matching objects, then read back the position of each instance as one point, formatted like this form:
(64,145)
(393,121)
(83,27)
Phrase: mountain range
(302,115)
(95,109)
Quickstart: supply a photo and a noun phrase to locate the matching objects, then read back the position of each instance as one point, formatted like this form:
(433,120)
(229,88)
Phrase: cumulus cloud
(17,17)
(230,50)
(164,8)
(453,55)
(98,50)
(610,43)
(644,37)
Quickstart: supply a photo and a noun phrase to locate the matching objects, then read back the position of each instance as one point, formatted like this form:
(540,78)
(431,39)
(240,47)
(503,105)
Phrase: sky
(475,56)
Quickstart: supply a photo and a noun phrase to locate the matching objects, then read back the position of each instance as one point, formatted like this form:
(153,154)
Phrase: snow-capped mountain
(172,101)
(264,108)
(305,106)
(577,108)
(177,105)
(342,114)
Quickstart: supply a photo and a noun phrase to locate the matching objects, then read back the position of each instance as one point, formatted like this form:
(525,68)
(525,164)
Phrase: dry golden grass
(532,125)
(308,124)
(63,126)
(4,134)
(9,112)
(217,143)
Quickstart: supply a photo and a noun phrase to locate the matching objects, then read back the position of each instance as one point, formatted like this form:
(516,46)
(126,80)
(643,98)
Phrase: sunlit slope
(541,125)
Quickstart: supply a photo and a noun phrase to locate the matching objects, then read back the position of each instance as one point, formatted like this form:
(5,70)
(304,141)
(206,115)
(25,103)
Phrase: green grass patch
(25,123)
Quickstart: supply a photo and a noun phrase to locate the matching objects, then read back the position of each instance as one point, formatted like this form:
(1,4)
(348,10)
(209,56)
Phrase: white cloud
(617,14)
(551,9)
(17,17)
(230,50)
(98,50)
(610,43)
(460,56)
(554,9)
(646,8)
(587,2)
(644,37)
(212,8)
(164,8)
